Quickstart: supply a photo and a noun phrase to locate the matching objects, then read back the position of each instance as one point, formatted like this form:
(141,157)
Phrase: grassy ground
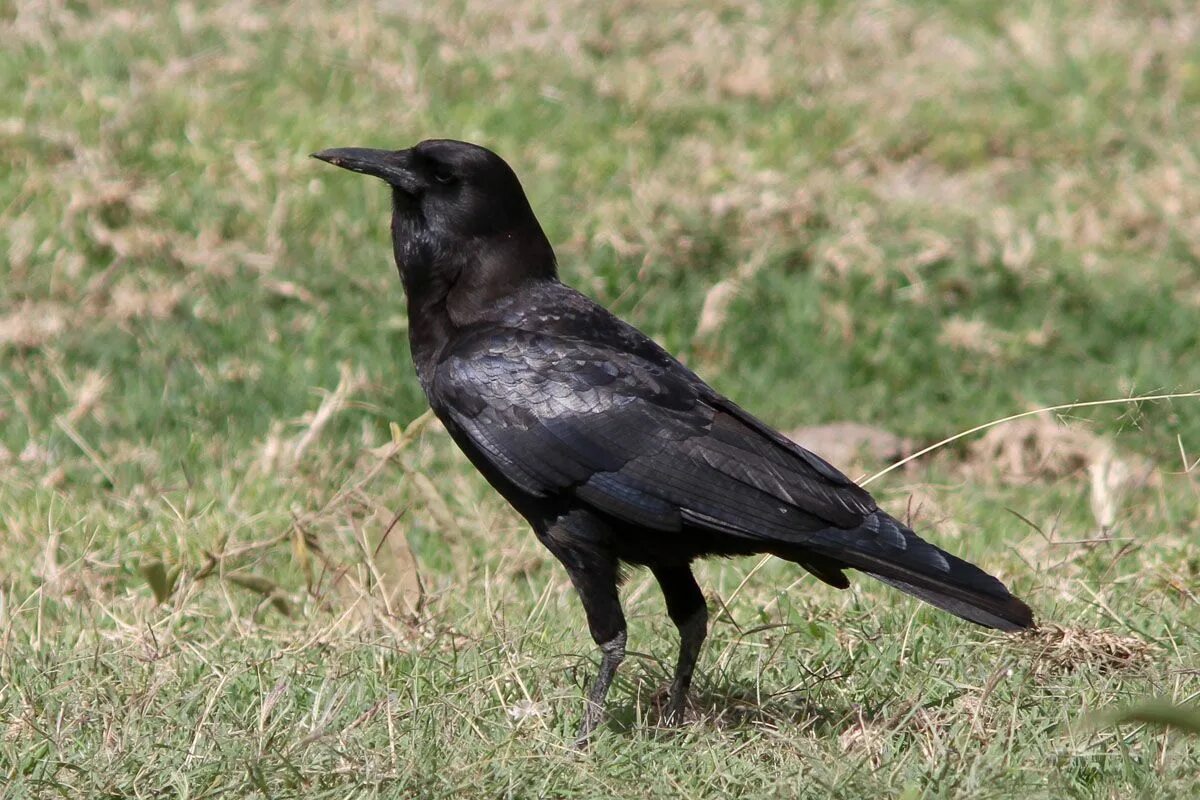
(919,215)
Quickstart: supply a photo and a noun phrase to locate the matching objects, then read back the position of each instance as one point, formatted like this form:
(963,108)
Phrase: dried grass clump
(1036,447)
(865,739)
(386,589)
(32,325)
(1041,448)
(1059,650)
(970,336)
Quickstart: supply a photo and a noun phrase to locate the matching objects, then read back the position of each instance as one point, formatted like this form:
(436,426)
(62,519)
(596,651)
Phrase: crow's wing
(636,435)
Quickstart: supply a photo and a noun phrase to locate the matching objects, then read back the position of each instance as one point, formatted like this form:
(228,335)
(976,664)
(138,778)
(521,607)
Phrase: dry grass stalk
(396,571)
(717,300)
(334,402)
(87,395)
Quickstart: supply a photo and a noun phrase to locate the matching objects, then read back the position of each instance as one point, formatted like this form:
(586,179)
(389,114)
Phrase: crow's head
(458,211)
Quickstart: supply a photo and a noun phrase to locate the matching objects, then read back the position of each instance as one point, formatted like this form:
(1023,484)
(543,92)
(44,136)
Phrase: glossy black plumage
(612,449)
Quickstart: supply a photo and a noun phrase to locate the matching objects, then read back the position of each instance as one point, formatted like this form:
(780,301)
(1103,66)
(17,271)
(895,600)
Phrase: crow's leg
(685,604)
(597,589)
(612,653)
(579,541)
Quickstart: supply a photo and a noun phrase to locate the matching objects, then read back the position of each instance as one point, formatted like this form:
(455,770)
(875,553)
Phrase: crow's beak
(392,166)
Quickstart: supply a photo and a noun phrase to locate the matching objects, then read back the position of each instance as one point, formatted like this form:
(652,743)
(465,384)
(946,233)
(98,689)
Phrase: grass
(917,215)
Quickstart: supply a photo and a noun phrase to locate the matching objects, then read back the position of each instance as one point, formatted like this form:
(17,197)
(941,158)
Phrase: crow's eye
(442,174)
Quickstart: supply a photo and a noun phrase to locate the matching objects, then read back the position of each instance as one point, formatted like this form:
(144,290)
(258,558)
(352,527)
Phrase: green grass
(934,214)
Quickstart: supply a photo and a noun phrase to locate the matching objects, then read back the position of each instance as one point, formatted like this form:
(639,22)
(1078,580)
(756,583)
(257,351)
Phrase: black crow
(610,448)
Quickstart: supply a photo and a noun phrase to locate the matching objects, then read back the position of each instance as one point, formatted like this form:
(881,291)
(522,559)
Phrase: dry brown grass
(1057,650)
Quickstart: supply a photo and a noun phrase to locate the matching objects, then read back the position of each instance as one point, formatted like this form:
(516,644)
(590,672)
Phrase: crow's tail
(886,549)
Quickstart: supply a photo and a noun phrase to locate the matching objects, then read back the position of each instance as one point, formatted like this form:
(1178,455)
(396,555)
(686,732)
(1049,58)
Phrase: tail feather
(889,551)
(1003,613)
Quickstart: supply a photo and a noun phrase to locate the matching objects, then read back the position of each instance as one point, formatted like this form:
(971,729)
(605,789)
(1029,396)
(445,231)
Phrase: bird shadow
(734,706)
